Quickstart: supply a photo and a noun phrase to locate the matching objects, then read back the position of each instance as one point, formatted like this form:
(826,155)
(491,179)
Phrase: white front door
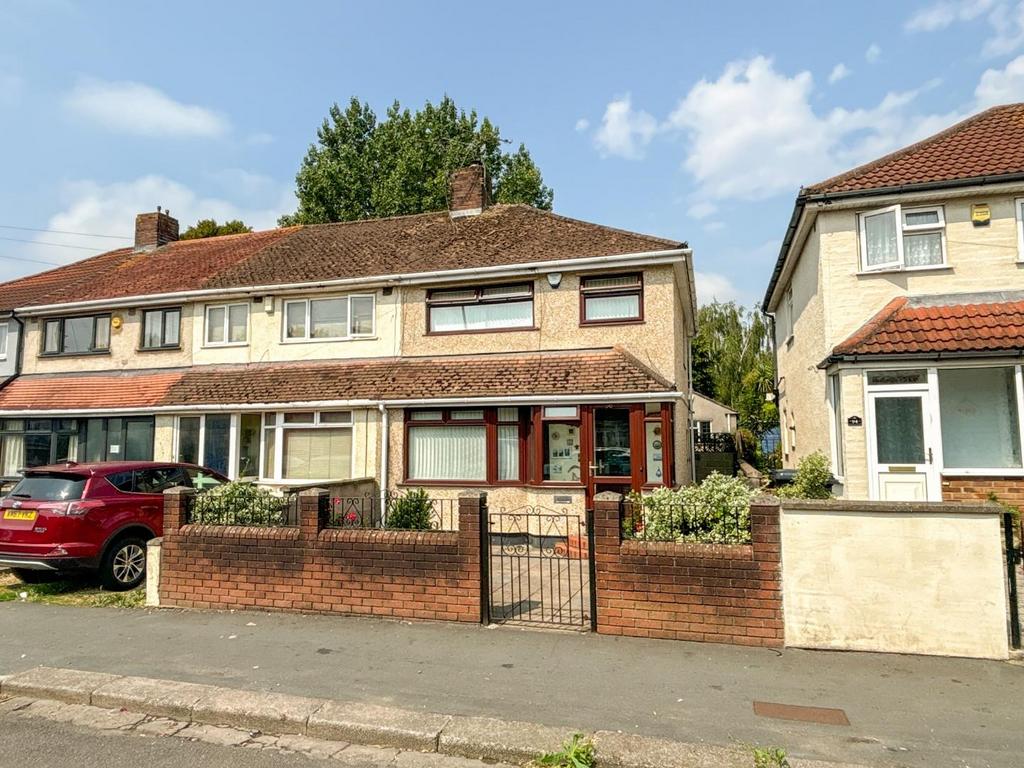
(902,457)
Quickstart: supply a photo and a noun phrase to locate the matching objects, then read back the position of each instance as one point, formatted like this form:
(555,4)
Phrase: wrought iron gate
(540,565)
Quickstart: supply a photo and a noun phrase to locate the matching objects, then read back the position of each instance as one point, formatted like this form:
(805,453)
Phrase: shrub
(411,512)
(716,510)
(813,479)
(770,757)
(238,503)
(578,752)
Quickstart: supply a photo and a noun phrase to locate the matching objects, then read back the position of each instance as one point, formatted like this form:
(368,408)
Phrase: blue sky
(695,121)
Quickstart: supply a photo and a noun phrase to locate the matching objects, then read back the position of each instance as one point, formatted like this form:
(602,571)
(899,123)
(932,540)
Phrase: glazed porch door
(613,449)
(902,457)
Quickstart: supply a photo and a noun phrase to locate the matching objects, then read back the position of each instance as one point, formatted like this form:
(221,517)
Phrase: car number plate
(19,514)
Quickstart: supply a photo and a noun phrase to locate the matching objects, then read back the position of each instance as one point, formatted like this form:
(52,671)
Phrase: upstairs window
(160,328)
(76,335)
(342,317)
(611,299)
(488,308)
(227,324)
(1018,205)
(3,341)
(897,238)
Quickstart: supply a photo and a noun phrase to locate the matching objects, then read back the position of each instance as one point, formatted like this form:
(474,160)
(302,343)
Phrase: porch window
(469,445)
(611,299)
(561,433)
(227,324)
(205,440)
(657,444)
(980,418)
(308,445)
(76,335)
(836,400)
(487,308)
(160,328)
(897,238)
(342,317)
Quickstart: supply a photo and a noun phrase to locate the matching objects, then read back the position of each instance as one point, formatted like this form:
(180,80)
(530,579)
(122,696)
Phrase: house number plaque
(855,421)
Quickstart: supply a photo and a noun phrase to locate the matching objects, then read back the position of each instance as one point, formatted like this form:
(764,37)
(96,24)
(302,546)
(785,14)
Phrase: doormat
(822,715)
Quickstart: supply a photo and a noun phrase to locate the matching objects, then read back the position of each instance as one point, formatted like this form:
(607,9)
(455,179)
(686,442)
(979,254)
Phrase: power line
(34,261)
(63,232)
(92,248)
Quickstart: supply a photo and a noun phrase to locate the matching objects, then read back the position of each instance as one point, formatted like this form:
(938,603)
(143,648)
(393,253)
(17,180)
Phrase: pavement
(902,710)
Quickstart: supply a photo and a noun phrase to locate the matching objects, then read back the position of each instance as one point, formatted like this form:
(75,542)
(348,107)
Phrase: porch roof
(953,325)
(563,373)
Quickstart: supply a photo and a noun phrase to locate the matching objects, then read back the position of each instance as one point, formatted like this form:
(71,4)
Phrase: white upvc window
(308,446)
(835,397)
(898,238)
(1018,207)
(227,325)
(329,319)
(3,340)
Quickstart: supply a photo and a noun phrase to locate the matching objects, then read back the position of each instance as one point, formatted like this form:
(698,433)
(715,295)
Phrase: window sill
(1018,472)
(226,345)
(900,270)
(482,330)
(176,348)
(601,323)
(330,340)
(75,354)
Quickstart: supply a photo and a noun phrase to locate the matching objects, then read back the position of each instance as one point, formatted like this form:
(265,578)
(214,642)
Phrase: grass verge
(79,591)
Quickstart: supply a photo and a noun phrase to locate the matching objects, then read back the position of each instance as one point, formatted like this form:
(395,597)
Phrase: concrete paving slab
(160,726)
(486,738)
(624,750)
(275,713)
(160,698)
(214,734)
(68,685)
(372,724)
(14,703)
(365,757)
(313,747)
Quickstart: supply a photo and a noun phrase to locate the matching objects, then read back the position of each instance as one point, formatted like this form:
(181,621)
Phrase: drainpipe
(383,463)
(689,413)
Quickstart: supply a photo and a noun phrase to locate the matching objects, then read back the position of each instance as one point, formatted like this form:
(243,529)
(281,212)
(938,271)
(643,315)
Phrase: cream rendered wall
(266,333)
(124,348)
(854,439)
(942,590)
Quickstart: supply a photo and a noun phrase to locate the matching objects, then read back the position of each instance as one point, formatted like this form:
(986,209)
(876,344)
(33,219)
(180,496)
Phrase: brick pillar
(176,504)
(765,533)
(311,520)
(473,544)
(607,541)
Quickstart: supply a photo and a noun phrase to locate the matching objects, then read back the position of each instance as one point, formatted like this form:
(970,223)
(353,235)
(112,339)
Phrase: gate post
(1012,556)
(473,513)
(607,516)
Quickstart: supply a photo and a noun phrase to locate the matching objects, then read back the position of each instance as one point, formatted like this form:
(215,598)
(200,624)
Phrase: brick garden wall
(1009,490)
(401,574)
(722,593)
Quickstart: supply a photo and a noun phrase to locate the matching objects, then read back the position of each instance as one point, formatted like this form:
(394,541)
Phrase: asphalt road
(917,711)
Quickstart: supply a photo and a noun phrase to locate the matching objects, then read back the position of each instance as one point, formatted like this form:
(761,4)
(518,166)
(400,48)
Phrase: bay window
(488,308)
(896,238)
(76,335)
(227,324)
(341,317)
(606,299)
(468,445)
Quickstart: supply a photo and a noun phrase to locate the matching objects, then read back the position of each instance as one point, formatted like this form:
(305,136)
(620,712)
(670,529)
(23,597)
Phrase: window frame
(278,427)
(490,422)
(1018,208)
(227,324)
(308,302)
(902,230)
(163,330)
(835,400)
(61,323)
(611,292)
(479,300)
(5,330)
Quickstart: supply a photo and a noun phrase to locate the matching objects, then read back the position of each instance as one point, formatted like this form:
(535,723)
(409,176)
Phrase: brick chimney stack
(470,192)
(155,229)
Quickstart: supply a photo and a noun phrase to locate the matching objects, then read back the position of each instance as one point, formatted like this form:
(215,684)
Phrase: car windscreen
(49,487)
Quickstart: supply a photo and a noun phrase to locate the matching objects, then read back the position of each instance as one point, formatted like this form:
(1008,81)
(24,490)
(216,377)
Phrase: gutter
(924,357)
(669,256)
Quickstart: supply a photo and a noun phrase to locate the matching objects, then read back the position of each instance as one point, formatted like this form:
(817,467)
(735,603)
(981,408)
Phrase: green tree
(210,228)
(360,168)
(732,356)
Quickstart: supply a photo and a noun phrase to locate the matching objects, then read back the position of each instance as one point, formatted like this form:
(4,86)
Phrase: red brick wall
(1008,490)
(402,574)
(723,593)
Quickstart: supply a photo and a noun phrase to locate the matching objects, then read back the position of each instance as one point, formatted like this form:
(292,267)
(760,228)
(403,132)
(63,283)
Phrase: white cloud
(139,109)
(110,209)
(582,124)
(1007,22)
(873,53)
(839,72)
(702,210)
(941,14)
(712,286)
(624,132)
(1001,86)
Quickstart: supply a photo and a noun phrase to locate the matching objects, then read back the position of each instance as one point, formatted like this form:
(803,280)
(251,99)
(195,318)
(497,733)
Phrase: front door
(611,451)
(902,457)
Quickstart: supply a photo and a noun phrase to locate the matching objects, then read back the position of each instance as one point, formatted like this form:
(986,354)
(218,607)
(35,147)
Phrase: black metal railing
(249,507)
(674,521)
(714,442)
(411,510)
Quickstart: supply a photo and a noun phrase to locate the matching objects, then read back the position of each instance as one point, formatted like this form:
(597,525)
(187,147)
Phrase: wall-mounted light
(554,279)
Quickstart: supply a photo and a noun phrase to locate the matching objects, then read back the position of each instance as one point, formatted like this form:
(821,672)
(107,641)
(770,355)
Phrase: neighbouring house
(497,347)
(712,417)
(898,303)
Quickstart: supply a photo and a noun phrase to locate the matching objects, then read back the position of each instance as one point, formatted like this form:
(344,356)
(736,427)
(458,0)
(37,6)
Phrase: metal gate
(540,567)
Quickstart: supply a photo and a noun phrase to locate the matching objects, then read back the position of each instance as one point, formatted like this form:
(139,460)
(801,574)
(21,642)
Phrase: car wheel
(124,565)
(34,577)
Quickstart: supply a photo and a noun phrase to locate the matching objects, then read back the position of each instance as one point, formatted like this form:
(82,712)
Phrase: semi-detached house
(492,347)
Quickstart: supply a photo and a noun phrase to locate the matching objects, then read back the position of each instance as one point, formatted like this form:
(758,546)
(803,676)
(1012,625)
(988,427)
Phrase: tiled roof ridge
(871,327)
(822,186)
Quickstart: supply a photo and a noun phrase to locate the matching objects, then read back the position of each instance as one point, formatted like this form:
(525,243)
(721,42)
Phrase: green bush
(238,503)
(716,510)
(578,752)
(813,479)
(770,757)
(411,512)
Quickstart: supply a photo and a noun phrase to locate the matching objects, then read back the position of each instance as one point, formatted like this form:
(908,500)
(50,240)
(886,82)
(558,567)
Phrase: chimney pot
(155,229)
(470,191)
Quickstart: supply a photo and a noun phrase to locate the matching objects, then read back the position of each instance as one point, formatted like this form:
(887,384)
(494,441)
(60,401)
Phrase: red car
(90,517)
